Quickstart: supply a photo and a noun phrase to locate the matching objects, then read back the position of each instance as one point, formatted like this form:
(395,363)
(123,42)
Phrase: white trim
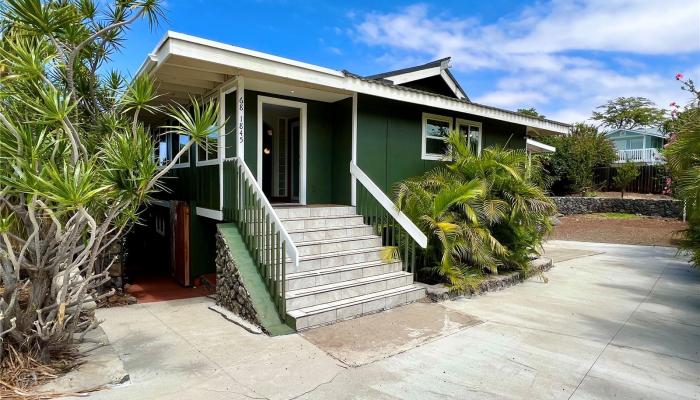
(209,213)
(239,60)
(162,203)
(452,84)
(414,75)
(302,139)
(222,144)
(389,206)
(538,145)
(353,180)
(424,154)
(467,122)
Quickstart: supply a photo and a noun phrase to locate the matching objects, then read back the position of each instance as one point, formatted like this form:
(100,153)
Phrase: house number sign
(240,122)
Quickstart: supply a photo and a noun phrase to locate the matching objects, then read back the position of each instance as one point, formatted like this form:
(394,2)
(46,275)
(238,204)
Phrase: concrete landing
(374,337)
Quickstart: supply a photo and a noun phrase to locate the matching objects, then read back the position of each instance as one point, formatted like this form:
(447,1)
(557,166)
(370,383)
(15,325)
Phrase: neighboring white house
(641,145)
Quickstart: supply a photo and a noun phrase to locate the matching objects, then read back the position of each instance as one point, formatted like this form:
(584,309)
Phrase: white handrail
(389,206)
(292,251)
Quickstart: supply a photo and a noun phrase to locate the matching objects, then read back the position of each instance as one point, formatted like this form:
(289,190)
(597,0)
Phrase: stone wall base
(230,292)
(586,205)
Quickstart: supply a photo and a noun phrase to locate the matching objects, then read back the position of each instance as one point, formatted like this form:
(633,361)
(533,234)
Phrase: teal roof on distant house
(638,131)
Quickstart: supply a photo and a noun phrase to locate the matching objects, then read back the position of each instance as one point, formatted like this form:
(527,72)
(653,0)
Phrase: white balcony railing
(648,156)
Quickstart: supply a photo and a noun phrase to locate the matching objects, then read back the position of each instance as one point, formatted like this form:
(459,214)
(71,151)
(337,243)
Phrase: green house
(301,176)
(641,145)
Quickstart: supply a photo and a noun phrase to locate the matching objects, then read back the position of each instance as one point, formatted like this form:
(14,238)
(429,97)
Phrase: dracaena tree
(76,162)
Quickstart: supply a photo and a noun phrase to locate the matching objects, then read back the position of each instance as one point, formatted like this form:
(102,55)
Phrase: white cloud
(557,55)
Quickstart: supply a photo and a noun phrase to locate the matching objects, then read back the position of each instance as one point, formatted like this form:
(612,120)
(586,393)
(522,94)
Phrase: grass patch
(617,215)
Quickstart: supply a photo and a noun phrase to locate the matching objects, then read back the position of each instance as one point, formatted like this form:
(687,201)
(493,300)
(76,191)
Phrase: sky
(562,57)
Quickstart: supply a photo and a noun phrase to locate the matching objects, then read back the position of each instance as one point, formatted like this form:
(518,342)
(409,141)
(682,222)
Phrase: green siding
(389,138)
(342,151)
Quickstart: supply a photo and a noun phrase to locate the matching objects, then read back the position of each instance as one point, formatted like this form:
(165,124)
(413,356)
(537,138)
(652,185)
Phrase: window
(472,131)
(179,142)
(162,153)
(436,128)
(208,153)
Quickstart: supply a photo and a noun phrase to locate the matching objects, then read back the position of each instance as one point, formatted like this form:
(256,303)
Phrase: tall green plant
(577,155)
(76,163)
(626,174)
(481,213)
(683,157)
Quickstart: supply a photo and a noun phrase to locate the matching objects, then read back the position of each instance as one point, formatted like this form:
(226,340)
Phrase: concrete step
(316,295)
(309,234)
(334,245)
(335,259)
(338,221)
(288,212)
(322,314)
(325,276)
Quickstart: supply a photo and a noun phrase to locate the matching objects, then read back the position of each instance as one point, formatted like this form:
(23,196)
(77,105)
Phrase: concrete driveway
(613,321)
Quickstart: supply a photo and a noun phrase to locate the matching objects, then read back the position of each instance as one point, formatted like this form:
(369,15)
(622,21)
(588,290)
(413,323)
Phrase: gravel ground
(635,230)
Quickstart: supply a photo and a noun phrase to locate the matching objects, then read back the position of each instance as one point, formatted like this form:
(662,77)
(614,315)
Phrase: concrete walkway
(613,321)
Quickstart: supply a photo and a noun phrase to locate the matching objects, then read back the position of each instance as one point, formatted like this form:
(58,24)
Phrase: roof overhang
(533,146)
(185,65)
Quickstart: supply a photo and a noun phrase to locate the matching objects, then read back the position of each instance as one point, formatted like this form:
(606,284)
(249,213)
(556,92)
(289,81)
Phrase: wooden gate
(180,249)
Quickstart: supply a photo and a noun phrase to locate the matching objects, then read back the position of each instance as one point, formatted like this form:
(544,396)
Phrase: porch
(647,156)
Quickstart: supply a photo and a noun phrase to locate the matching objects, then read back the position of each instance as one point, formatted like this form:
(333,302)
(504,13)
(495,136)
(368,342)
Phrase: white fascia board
(414,75)
(539,146)
(251,53)
(452,84)
(236,58)
(445,103)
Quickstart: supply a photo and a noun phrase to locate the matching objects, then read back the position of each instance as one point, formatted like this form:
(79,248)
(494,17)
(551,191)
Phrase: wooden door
(180,254)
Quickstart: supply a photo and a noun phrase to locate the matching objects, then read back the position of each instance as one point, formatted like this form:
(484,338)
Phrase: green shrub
(626,174)
(577,155)
(481,213)
(683,156)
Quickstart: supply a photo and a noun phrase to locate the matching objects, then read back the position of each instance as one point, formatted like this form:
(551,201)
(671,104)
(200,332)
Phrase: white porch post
(353,181)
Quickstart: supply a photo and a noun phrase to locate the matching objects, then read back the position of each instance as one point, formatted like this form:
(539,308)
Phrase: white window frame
(219,149)
(424,136)
(210,161)
(462,122)
(179,164)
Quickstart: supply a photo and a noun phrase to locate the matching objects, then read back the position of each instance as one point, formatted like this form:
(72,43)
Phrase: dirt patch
(634,230)
(373,337)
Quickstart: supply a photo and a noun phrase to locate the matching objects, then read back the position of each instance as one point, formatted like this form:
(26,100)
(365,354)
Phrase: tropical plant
(578,153)
(76,162)
(683,160)
(629,113)
(626,174)
(480,212)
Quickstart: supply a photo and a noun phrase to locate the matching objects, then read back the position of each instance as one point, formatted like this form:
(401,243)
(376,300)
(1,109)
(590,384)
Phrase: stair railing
(395,228)
(265,237)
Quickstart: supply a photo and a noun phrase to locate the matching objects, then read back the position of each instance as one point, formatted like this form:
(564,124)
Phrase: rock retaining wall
(587,205)
(230,292)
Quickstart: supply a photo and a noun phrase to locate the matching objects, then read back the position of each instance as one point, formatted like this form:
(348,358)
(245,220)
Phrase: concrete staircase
(341,273)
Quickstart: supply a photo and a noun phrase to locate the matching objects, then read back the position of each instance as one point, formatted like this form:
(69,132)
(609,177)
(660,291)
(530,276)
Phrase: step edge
(340,268)
(351,301)
(346,284)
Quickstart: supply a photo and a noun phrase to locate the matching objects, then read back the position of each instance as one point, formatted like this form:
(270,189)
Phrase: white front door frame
(302,139)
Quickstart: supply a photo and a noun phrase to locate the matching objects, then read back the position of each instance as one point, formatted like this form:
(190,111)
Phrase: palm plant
(683,157)
(76,162)
(481,213)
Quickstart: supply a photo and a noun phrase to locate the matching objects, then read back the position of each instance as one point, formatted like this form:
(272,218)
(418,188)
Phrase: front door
(280,153)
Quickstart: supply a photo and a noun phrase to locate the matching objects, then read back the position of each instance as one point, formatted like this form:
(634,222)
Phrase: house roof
(185,65)
(639,131)
(439,68)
